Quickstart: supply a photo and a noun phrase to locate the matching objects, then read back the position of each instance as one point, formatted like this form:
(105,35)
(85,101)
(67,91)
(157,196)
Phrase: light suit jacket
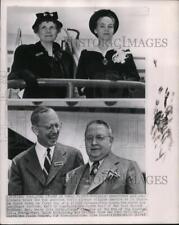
(27,178)
(115,176)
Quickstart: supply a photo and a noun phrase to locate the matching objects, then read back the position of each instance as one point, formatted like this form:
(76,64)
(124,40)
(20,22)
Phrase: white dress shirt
(41,152)
(91,164)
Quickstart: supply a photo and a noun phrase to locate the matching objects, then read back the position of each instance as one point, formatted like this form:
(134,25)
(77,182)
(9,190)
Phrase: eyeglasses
(51,127)
(98,138)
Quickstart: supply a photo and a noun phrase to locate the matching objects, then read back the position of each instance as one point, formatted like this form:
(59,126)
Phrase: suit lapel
(76,179)
(58,161)
(33,165)
(109,164)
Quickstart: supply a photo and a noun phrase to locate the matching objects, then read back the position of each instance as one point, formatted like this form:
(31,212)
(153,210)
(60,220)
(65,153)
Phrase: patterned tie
(94,169)
(47,163)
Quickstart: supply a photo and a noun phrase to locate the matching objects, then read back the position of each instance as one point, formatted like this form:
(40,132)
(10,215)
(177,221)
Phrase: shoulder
(130,166)
(68,149)
(56,45)
(24,49)
(89,53)
(74,172)
(125,163)
(23,154)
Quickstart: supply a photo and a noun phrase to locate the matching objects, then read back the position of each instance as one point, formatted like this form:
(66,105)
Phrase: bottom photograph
(76,147)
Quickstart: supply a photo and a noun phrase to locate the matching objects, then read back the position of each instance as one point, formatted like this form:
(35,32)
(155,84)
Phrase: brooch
(105,61)
(39,53)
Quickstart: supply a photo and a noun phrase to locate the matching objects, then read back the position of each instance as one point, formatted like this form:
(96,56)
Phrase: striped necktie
(94,169)
(47,163)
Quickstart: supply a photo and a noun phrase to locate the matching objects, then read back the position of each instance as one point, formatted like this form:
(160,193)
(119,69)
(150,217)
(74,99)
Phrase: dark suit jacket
(32,62)
(27,177)
(115,176)
(91,66)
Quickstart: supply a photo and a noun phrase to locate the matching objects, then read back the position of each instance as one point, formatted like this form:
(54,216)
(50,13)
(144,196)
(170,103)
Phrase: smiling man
(105,173)
(42,168)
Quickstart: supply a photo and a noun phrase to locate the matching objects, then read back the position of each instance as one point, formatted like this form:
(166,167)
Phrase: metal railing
(72,83)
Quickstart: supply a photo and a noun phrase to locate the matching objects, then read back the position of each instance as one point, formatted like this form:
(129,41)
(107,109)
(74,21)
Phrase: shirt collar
(42,151)
(91,163)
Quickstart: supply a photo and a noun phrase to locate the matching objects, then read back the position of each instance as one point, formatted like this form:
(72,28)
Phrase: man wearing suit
(105,173)
(41,169)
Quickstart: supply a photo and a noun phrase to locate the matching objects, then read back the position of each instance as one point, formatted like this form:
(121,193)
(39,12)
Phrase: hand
(28,77)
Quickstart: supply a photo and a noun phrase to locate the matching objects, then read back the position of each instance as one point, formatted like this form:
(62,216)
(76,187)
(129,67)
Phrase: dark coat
(32,62)
(93,65)
(115,176)
(27,177)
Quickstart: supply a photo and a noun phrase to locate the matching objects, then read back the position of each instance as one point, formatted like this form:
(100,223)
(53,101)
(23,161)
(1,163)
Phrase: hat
(46,16)
(102,13)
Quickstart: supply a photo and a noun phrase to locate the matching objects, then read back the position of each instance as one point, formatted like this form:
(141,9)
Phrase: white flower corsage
(120,56)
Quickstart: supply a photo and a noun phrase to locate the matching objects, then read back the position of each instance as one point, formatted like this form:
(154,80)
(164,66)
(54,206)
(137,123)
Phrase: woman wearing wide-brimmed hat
(104,61)
(44,59)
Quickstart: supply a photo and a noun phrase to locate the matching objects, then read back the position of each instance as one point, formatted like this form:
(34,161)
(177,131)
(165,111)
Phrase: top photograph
(81,53)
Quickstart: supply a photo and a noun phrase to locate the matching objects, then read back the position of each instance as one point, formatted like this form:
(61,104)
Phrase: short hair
(36,113)
(99,122)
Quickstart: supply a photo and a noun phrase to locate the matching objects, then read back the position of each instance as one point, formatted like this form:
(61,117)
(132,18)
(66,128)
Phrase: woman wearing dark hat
(105,62)
(44,59)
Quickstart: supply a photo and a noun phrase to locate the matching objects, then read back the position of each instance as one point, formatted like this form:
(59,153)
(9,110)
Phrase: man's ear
(35,130)
(111,139)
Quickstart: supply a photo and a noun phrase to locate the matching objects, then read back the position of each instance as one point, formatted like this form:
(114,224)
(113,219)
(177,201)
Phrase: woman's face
(47,31)
(105,28)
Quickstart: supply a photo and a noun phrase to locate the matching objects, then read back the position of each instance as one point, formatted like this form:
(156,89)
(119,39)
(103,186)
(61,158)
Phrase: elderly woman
(105,62)
(44,59)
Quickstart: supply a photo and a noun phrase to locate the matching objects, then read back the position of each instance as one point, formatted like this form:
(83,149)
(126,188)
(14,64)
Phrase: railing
(71,83)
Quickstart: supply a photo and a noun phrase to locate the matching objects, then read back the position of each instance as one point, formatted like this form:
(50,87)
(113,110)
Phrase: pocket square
(60,163)
(113,175)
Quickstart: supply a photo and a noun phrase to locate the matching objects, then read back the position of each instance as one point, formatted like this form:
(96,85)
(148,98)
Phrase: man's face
(47,129)
(98,141)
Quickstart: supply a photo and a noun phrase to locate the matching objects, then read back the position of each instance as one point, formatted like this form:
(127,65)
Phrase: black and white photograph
(89,111)
(100,137)
(96,54)
(69,148)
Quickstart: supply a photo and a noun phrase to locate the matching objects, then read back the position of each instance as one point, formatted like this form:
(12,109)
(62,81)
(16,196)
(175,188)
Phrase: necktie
(94,169)
(47,163)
